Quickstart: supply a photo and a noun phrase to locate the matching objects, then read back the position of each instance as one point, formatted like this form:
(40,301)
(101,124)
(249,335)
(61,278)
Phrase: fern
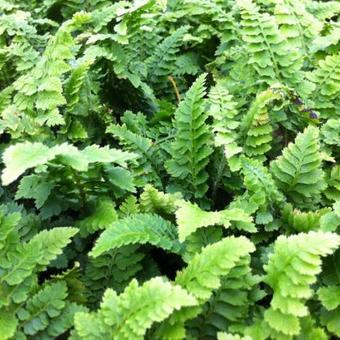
(129,207)
(22,156)
(162,63)
(102,217)
(190,151)
(153,201)
(142,142)
(291,269)
(134,310)
(48,303)
(256,127)
(329,297)
(297,24)
(202,276)
(31,308)
(333,181)
(114,269)
(224,112)
(297,171)
(267,47)
(142,146)
(229,305)
(139,228)
(262,192)
(300,221)
(326,85)
(226,336)
(190,218)
(41,89)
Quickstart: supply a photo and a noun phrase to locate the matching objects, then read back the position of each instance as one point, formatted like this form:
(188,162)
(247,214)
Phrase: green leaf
(130,314)
(20,157)
(51,242)
(141,229)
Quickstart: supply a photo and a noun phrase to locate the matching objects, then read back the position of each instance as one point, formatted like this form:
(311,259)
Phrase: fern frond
(114,269)
(227,336)
(141,229)
(291,269)
(299,221)
(45,305)
(327,89)
(330,300)
(296,23)
(41,88)
(129,207)
(22,156)
(297,172)
(256,127)
(154,201)
(223,110)
(262,192)
(191,149)
(130,314)
(229,305)
(268,47)
(324,10)
(146,169)
(163,61)
(74,84)
(333,180)
(191,217)
(202,276)
(102,216)
(51,242)
(61,323)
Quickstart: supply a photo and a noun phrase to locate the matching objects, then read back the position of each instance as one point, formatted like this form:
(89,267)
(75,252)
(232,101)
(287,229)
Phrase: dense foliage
(170,169)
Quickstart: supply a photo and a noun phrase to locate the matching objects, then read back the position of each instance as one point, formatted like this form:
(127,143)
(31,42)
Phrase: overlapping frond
(291,270)
(191,149)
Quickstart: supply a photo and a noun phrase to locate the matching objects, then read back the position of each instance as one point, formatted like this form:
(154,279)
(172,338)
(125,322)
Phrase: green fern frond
(291,269)
(154,201)
(129,207)
(324,10)
(327,89)
(202,276)
(299,221)
(102,217)
(262,193)
(268,47)
(163,61)
(227,336)
(297,172)
(51,242)
(74,84)
(229,305)
(330,300)
(130,314)
(22,156)
(114,269)
(47,304)
(223,110)
(296,23)
(333,180)
(190,217)
(142,146)
(256,127)
(140,229)
(191,149)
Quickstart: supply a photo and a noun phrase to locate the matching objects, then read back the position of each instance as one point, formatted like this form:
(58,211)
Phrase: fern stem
(173,82)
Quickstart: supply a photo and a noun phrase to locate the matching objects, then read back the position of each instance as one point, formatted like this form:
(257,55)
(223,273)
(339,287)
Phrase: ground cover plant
(169,169)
